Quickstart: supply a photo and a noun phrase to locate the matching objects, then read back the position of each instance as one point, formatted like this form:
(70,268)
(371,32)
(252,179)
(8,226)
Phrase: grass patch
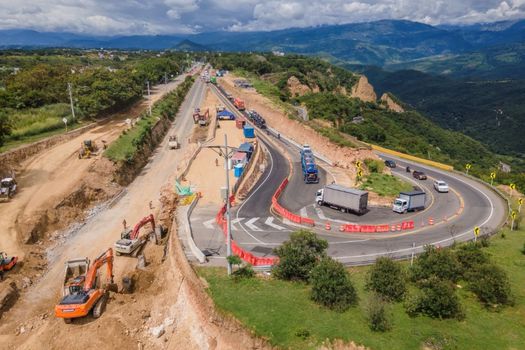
(385,185)
(283,313)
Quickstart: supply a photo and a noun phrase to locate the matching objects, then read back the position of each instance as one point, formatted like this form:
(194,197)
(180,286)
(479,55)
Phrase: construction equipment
(87,149)
(7,262)
(130,241)
(173,143)
(82,290)
(7,188)
(202,119)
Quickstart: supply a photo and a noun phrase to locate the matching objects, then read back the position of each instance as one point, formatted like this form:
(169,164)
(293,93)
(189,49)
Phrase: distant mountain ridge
(371,43)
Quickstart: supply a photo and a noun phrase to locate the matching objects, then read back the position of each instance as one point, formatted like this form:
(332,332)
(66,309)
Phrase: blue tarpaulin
(225,114)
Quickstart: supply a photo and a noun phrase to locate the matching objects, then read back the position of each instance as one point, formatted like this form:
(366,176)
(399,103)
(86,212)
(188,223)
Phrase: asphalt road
(454,215)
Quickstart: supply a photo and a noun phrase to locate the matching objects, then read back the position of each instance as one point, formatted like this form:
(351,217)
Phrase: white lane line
(251,224)
(269,222)
(321,215)
(209,224)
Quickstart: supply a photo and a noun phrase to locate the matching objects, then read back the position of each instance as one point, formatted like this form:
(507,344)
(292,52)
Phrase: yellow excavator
(82,290)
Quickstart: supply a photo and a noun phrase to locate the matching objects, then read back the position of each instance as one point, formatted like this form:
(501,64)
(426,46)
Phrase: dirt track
(31,323)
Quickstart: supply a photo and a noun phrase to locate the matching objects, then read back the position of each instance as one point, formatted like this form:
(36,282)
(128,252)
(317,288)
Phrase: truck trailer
(343,198)
(239,104)
(308,166)
(409,201)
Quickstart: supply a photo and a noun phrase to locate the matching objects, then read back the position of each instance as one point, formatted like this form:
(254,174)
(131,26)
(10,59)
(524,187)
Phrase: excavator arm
(148,219)
(104,258)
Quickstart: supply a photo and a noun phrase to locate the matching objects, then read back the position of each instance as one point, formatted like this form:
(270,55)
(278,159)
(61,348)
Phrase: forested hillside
(34,85)
(489,111)
(408,132)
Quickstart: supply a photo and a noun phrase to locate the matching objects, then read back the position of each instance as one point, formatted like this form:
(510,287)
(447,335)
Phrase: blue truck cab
(309,168)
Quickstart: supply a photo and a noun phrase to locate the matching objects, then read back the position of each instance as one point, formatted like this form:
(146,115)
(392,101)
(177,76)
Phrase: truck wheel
(319,203)
(343,210)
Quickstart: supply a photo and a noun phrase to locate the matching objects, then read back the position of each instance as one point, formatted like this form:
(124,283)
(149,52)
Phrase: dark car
(419,175)
(390,163)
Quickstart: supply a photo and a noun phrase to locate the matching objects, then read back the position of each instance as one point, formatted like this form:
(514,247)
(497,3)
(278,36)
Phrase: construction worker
(150,204)
(216,162)
(124,223)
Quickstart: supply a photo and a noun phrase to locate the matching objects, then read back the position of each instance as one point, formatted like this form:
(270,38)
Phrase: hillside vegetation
(34,85)
(408,132)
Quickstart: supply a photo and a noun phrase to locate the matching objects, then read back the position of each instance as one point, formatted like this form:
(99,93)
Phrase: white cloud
(176,16)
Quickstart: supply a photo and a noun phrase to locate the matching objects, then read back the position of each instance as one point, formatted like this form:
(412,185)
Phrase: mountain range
(373,43)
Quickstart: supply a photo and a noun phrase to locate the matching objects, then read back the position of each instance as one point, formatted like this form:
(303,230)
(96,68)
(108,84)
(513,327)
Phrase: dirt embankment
(343,157)
(296,88)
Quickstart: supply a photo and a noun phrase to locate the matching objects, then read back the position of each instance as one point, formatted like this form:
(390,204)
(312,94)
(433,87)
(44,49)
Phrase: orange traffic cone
(327,226)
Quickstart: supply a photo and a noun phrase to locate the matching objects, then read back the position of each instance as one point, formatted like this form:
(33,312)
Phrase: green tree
(437,299)
(378,315)
(5,127)
(331,285)
(299,255)
(471,256)
(387,278)
(491,285)
(441,263)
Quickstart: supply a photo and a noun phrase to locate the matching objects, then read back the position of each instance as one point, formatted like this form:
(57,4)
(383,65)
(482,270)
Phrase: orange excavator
(7,262)
(82,291)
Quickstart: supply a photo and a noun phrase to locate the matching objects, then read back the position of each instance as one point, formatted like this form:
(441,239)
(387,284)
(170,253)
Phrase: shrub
(441,263)
(387,278)
(299,255)
(379,318)
(244,272)
(523,249)
(437,299)
(374,166)
(331,285)
(471,256)
(491,285)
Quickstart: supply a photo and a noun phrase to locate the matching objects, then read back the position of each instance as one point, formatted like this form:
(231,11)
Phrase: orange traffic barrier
(398,227)
(382,228)
(430,221)
(393,228)
(327,226)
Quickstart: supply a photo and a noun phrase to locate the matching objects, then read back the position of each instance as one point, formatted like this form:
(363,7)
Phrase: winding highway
(448,217)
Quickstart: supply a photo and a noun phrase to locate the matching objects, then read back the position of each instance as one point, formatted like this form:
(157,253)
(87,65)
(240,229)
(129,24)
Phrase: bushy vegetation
(437,298)
(388,279)
(299,255)
(5,127)
(378,315)
(433,262)
(129,142)
(331,285)
(34,85)
(491,285)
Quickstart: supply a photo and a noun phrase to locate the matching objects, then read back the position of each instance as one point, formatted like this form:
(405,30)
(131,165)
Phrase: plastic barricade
(351,228)
(382,228)
(368,228)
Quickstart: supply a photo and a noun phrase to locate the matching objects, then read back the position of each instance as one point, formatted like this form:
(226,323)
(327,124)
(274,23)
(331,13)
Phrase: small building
(504,167)
(246,148)
(358,120)
(249,132)
(240,122)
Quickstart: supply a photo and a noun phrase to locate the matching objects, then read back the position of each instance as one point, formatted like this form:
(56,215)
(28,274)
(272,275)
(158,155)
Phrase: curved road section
(448,218)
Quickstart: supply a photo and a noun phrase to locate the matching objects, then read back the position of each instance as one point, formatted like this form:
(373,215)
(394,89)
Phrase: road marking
(321,215)
(209,224)
(251,226)
(269,222)
(235,221)
(303,212)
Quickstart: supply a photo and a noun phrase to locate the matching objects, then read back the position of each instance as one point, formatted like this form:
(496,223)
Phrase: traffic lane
(260,198)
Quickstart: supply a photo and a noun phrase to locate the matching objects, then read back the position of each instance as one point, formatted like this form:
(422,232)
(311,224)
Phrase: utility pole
(69,89)
(149,99)
(226,152)
(228,218)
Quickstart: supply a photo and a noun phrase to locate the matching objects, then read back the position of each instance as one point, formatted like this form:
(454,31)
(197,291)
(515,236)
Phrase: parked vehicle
(173,143)
(419,175)
(225,115)
(343,198)
(8,188)
(409,201)
(441,186)
(390,163)
(310,171)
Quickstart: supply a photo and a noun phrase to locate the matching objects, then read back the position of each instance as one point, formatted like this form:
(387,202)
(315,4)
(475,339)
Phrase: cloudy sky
(110,17)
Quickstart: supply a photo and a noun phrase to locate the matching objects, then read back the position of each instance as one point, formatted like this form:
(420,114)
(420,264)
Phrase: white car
(440,186)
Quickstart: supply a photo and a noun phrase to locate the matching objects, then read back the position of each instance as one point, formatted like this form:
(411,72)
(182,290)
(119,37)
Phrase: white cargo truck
(410,201)
(343,198)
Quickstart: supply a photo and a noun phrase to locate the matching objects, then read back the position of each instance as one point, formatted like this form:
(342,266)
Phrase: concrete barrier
(199,255)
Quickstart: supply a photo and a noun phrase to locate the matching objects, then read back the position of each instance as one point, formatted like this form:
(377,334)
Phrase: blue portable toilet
(237,170)
(249,132)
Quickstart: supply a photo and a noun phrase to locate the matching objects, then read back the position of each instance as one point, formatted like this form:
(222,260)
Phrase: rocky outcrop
(363,90)
(391,104)
(296,88)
